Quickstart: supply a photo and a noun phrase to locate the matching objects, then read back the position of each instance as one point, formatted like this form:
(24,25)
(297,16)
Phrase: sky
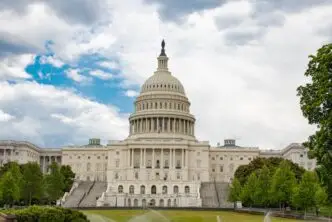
(70,70)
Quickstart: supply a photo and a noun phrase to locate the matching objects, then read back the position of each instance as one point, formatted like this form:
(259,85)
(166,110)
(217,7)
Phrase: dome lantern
(162,59)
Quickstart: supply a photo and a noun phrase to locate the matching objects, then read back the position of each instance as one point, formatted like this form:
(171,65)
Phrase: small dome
(162,81)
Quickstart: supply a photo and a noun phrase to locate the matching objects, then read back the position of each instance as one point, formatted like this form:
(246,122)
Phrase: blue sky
(69,71)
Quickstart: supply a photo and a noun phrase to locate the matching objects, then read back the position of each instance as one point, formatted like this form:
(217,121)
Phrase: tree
(282,185)
(263,187)
(10,190)
(316,106)
(54,183)
(33,182)
(69,177)
(248,194)
(243,172)
(320,198)
(235,191)
(304,195)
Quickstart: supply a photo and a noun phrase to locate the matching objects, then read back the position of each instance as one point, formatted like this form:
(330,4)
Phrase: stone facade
(160,163)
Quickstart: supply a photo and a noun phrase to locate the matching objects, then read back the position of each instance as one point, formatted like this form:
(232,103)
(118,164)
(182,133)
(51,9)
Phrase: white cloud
(246,91)
(131,93)
(101,74)
(47,115)
(76,76)
(108,65)
(56,62)
(5,117)
(13,67)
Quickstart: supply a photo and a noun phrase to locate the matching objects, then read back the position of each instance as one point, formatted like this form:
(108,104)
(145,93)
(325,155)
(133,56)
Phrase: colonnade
(168,158)
(162,125)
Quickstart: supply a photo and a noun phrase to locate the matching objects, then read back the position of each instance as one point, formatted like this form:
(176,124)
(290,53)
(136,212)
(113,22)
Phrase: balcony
(178,167)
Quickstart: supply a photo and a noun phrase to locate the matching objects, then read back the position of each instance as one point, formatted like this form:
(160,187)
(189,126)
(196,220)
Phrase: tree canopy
(243,172)
(316,106)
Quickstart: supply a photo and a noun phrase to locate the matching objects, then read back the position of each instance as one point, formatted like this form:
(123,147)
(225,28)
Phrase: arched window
(120,189)
(142,189)
(169,202)
(135,203)
(161,202)
(144,203)
(153,189)
(187,189)
(131,189)
(174,204)
(175,189)
(129,203)
(152,202)
(164,189)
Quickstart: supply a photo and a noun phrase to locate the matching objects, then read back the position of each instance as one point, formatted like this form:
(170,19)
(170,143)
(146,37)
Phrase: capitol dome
(162,79)
(162,109)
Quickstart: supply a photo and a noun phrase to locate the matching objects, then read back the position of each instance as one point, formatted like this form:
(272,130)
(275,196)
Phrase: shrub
(47,214)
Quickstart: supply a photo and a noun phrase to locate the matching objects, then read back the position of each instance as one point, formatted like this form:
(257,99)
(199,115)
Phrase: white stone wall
(88,163)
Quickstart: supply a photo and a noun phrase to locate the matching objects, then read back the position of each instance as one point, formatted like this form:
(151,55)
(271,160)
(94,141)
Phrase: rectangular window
(117,163)
(221,168)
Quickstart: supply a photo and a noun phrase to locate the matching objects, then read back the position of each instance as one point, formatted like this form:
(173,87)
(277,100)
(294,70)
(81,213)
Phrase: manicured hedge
(47,214)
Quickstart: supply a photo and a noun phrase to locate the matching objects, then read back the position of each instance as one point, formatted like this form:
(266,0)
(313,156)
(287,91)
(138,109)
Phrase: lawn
(174,216)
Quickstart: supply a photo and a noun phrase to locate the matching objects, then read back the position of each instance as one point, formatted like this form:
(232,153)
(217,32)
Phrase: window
(88,166)
(249,158)
(198,153)
(136,175)
(166,164)
(131,189)
(221,168)
(117,152)
(199,163)
(116,176)
(241,158)
(153,189)
(164,189)
(120,189)
(142,189)
(213,158)
(117,163)
(213,170)
(175,189)
(178,176)
(89,157)
(186,189)
(221,158)
(301,155)
(198,176)
(98,157)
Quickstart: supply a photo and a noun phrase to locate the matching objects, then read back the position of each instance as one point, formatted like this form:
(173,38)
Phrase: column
(4,156)
(152,124)
(141,158)
(182,164)
(146,125)
(168,124)
(174,158)
(158,124)
(152,158)
(128,157)
(132,158)
(163,127)
(44,164)
(144,157)
(170,158)
(187,158)
(162,159)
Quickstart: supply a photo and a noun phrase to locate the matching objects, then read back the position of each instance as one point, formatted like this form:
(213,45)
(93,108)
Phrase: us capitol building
(160,163)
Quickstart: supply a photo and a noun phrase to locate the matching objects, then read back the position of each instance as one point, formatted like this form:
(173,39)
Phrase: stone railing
(67,194)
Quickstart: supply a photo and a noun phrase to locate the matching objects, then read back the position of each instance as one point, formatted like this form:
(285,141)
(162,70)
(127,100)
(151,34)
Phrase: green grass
(178,216)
